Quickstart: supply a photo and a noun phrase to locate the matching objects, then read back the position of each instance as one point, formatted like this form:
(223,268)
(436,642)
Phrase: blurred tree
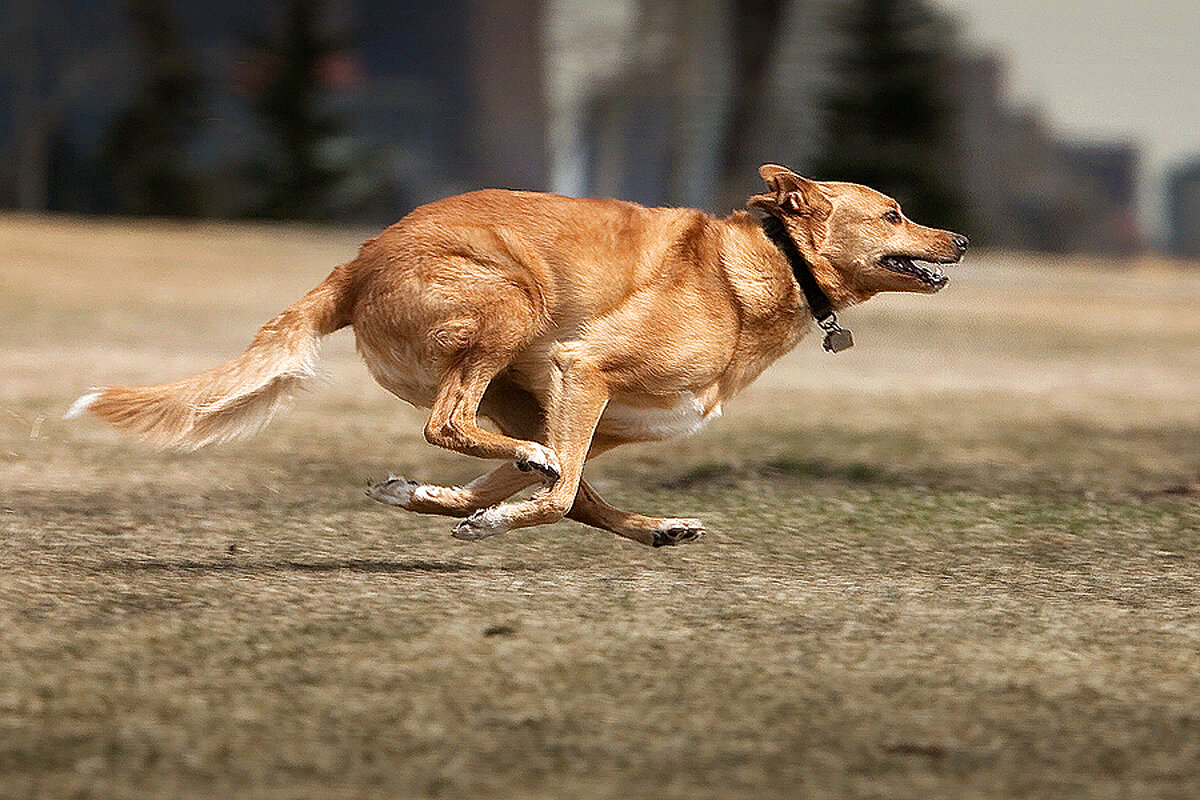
(301,172)
(757,25)
(145,147)
(889,123)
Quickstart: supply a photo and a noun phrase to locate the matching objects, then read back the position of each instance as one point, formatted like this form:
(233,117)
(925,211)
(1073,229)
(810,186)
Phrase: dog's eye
(892,216)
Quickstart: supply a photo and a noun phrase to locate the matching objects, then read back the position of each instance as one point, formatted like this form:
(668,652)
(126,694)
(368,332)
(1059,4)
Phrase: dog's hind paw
(678,531)
(543,459)
(483,523)
(393,492)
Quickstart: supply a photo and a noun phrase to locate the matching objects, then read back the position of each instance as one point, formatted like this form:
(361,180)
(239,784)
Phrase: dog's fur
(574,325)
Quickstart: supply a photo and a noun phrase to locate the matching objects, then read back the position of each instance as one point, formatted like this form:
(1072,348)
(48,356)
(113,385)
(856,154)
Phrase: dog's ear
(790,192)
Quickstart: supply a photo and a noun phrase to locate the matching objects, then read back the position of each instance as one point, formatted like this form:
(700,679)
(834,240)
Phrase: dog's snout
(961,242)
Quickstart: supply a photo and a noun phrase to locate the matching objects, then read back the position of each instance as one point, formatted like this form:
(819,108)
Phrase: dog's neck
(763,286)
(814,294)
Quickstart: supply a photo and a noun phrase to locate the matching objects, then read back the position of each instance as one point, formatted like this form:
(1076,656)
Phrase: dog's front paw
(677,531)
(483,523)
(394,491)
(543,459)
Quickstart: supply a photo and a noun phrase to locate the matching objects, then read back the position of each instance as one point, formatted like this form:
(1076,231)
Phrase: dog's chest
(641,423)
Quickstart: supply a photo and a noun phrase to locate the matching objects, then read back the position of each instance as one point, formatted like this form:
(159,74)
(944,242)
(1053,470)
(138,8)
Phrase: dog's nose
(961,242)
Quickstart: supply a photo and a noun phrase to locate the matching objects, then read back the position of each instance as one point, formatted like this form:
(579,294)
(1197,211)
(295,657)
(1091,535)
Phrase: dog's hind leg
(577,398)
(505,481)
(590,509)
(453,501)
(453,422)
(519,415)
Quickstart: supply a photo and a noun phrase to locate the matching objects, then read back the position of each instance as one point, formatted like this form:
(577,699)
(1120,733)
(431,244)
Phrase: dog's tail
(238,398)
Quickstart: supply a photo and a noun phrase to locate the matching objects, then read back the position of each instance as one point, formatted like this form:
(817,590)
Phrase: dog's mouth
(927,272)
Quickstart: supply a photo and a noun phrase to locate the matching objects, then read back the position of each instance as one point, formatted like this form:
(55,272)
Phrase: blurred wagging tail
(574,325)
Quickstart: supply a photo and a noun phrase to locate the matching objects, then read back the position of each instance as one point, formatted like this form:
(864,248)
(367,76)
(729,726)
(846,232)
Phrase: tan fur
(235,399)
(575,325)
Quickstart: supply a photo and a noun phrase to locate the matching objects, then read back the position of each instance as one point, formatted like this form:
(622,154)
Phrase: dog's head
(857,241)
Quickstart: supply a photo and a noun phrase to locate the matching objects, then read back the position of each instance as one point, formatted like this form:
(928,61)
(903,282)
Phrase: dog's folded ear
(790,192)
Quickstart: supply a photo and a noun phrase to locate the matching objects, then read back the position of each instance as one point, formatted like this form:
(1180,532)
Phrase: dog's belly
(652,424)
(400,370)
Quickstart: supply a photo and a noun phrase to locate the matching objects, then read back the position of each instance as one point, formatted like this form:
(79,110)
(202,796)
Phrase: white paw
(483,523)
(394,491)
(678,531)
(543,459)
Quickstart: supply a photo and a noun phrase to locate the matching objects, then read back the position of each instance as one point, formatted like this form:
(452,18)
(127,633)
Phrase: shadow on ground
(372,566)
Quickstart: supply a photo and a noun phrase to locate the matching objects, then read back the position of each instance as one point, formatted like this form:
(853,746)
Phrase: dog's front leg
(577,399)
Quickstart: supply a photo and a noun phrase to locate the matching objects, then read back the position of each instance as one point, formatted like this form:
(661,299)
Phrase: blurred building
(640,96)
(1183,210)
(1028,188)
(659,101)
(1103,200)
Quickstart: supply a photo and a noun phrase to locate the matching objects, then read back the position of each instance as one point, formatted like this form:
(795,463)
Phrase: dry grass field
(961,560)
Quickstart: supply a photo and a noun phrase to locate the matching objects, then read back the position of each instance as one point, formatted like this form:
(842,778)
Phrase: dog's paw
(543,459)
(483,523)
(393,492)
(678,531)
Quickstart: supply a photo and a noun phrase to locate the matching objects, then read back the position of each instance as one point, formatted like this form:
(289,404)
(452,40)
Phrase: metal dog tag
(839,340)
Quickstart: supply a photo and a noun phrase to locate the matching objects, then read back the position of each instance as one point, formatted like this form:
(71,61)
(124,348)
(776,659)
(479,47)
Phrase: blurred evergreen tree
(145,148)
(889,123)
(757,26)
(301,171)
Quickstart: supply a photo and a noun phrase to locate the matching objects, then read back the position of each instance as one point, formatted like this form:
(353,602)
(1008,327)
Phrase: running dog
(574,325)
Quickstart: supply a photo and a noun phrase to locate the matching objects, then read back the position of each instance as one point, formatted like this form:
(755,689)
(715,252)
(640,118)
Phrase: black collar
(836,337)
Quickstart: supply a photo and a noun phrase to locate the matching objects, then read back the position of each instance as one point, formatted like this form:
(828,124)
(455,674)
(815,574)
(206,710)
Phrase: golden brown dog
(574,325)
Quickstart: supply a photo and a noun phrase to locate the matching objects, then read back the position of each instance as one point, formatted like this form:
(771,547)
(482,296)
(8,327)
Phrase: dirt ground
(961,560)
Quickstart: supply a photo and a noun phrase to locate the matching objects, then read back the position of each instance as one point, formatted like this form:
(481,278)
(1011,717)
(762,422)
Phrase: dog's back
(590,252)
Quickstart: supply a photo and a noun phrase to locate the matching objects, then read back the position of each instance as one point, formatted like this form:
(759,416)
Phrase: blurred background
(961,560)
(1063,127)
